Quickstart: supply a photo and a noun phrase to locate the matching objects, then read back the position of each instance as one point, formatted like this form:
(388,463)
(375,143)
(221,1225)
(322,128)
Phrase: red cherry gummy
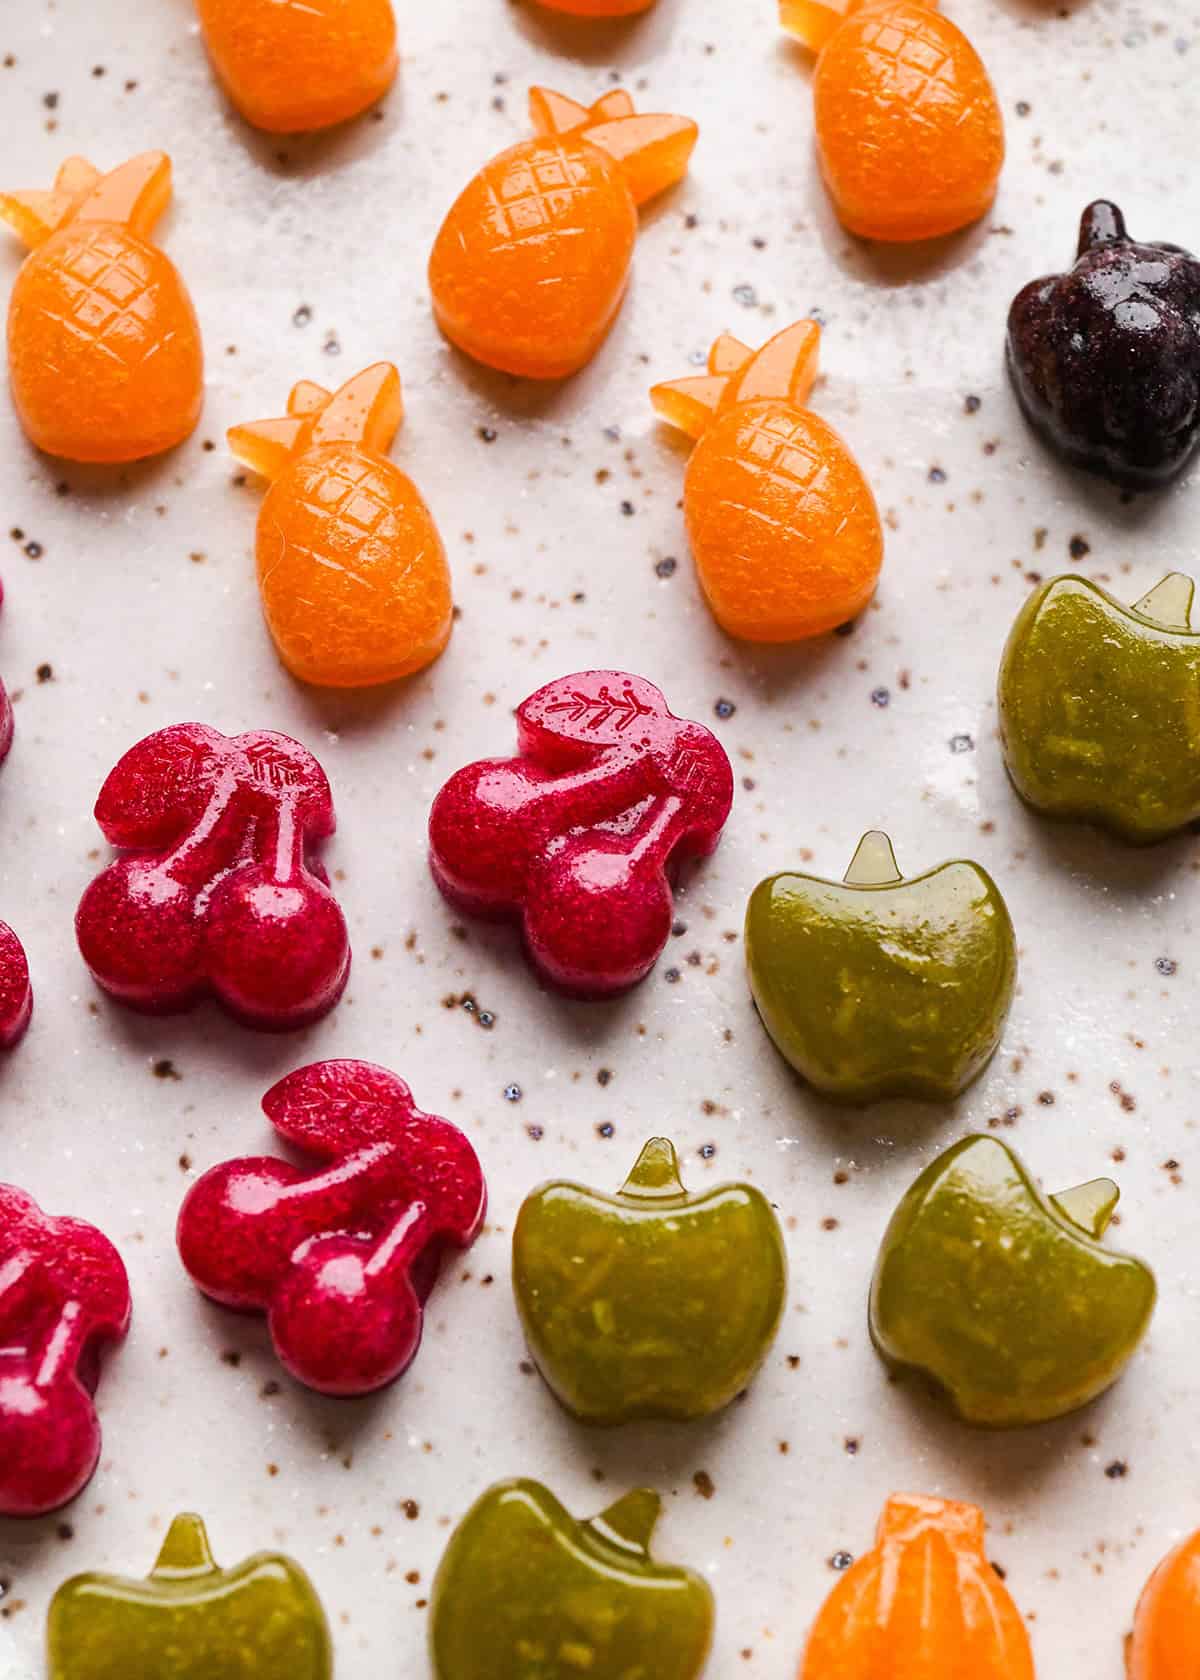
(217,892)
(63,1296)
(16,994)
(577,838)
(340,1259)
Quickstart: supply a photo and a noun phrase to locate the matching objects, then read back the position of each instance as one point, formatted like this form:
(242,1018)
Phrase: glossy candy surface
(652,1303)
(782,523)
(352,572)
(16,993)
(598,8)
(530,266)
(924,1604)
(340,1255)
(1165,1644)
(577,838)
(217,892)
(525,1590)
(64,1297)
(1004,1298)
(290,65)
(1105,359)
(909,132)
(191,1620)
(103,343)
(1097,707)
(881,986)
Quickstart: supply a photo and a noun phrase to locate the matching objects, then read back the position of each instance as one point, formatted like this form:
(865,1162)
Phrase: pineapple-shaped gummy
(923,1604)
(353,575)
(290,65)
(909,131)
(782,523)
(103,342)
(530,266)
(599,8)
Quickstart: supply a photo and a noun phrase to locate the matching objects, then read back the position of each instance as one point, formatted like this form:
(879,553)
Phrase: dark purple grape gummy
(1105,359)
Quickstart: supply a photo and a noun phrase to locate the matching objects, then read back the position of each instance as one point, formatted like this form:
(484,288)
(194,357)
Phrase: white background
(144,604)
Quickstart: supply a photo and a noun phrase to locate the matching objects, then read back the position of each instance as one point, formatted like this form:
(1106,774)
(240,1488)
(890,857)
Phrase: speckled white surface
(308,259)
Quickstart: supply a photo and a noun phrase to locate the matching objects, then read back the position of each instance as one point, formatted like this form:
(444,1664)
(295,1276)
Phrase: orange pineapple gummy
(909,131)
(1165,1643)
(290,65)
(353,575)
(599,8)
(782,523)
(925,1604)
(530,266)
(103,343)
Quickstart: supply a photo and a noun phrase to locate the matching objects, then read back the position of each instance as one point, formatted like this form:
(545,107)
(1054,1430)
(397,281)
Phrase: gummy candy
(653,1303)
(782,523)
(530,266)
(352,571)
(103,342)
(599,8)
(1004,1298)
(190,1620)
(16,994)
(1097,704)
(1165,1643)
(342,1259)
(909,131)
(880,985)
(1105,359)
(290,65)
(218,893)
(64,1295)
(576,838)
(525,1592)
(924,1604)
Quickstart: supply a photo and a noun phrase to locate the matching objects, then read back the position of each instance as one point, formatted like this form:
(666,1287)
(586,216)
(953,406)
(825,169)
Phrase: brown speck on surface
(704,1484)
(232,1358)
(1116,1470)
(270,1389)
(1126,1099)
(272,1469)
(851,1445)
(829,1223)
(185,1163)
(1079,547)
(64,1531)
(841,1561)
(604,1076)
(1046,1098)
(411,1509)
(164,1068)
(999,1569)
(605,1129)
(793,1360)
(34,550)
(45,673)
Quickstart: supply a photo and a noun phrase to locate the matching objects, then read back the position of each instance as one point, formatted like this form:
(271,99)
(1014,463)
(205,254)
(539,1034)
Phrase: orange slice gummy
(530,266)
(909,131)
(923,1604)
(1165,1642)
(103,343)
(354,581)
(782,523)
(290,65)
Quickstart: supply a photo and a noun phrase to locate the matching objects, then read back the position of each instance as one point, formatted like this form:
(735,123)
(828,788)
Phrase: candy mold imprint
(1105,359)
(579,836)
(520,1575)
(531,264)
(909,131)
(64,1298)
(302,64)
(191,1620)
(104,347)
(782,523)
(352,572)
(340,1257)
(217,892)
(923,1604)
